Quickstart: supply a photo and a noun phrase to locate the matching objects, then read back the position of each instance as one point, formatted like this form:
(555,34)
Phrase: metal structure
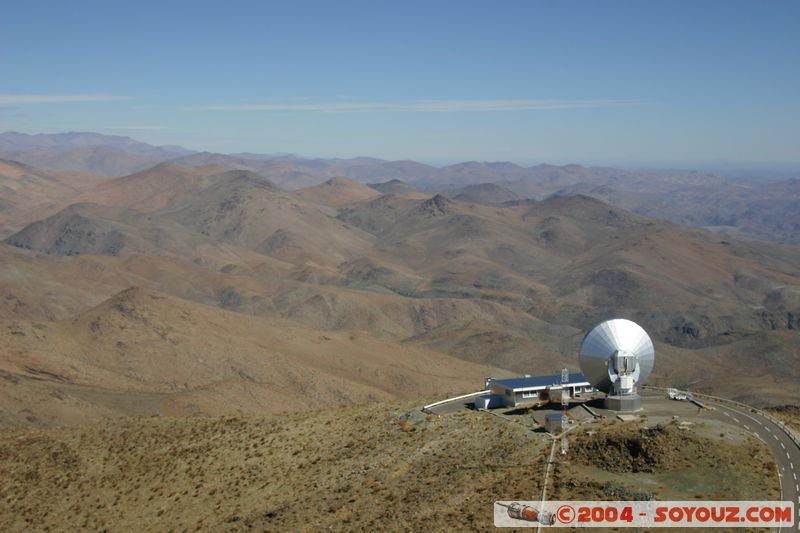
(564,407)
(565,391)
(616,356)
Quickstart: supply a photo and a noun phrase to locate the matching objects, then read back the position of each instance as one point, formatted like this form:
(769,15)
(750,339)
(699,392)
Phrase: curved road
(786,452)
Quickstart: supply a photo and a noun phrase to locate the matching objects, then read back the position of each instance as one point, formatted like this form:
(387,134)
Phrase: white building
(531,389)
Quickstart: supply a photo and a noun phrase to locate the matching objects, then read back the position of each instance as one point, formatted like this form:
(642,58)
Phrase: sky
(558,81)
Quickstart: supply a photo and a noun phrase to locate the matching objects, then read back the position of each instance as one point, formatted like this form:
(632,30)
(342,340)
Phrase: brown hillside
(337,192)
(244,209)
(93,229)
(575,260)
(24,188)
(510,286)
(156,188)
(142,352)
(384,466)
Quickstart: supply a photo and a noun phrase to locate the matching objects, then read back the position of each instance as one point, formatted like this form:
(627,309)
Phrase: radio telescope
(616,356)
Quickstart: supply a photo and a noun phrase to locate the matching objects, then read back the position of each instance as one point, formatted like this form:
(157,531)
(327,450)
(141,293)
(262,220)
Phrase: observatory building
(616,357)
(531,389)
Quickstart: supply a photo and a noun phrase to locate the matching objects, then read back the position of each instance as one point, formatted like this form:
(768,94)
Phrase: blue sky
(672,82)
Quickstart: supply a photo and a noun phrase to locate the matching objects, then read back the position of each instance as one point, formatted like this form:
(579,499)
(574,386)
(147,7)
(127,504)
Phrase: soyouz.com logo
(644,514)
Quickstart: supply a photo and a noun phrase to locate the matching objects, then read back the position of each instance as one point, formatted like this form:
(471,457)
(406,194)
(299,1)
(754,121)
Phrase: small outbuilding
(555,422)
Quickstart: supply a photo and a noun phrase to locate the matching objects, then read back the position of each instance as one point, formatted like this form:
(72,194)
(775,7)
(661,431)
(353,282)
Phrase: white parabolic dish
(600,344)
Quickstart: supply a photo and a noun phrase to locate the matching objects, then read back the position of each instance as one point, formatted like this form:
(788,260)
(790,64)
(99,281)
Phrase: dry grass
(371,468)
(379,467)
(789,414)
(665,462)
(143,353)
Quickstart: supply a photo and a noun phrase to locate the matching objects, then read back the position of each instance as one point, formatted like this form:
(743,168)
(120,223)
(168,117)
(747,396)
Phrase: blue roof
(539,381)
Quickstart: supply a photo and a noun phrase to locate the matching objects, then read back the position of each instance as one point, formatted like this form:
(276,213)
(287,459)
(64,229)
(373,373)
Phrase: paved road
(786,452)
(787,455)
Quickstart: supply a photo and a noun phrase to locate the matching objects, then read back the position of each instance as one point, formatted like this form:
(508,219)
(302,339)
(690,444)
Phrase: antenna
(564,389)
(564,407)
(616,356)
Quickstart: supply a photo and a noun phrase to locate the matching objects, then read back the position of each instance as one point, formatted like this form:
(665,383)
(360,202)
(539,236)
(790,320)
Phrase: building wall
(524,398)
(511,398)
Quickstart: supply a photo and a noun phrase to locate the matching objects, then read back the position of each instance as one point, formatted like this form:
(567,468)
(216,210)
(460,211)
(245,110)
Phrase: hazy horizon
(640,84)
(765,170)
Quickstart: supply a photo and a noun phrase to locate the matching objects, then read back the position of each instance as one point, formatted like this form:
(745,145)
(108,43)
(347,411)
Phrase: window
(530,394)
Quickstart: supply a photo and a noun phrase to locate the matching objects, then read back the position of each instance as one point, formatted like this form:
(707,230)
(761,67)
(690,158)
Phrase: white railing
(448,400)
(786,429)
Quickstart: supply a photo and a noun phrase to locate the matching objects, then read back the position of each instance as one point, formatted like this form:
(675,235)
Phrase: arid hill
(28,194)
(385,466)
(338,192)
(482,193)
(572,260)
(400,188)
(237,208)
(244,209)
(22,186)
(766,211)
(94,229)
(142,352)
(508,286)
(163,185)
(283,171)
(752,207)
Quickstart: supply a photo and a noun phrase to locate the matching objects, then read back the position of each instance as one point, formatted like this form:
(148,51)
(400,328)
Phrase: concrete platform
(631,402)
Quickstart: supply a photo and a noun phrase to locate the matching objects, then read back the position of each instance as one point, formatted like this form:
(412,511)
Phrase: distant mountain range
(752,209)
(109,155)
(476,277)
(63,141)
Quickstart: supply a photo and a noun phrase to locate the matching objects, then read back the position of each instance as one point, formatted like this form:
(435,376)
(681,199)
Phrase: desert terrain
(232,342)
(381,467)
(386,266)
(481,279)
